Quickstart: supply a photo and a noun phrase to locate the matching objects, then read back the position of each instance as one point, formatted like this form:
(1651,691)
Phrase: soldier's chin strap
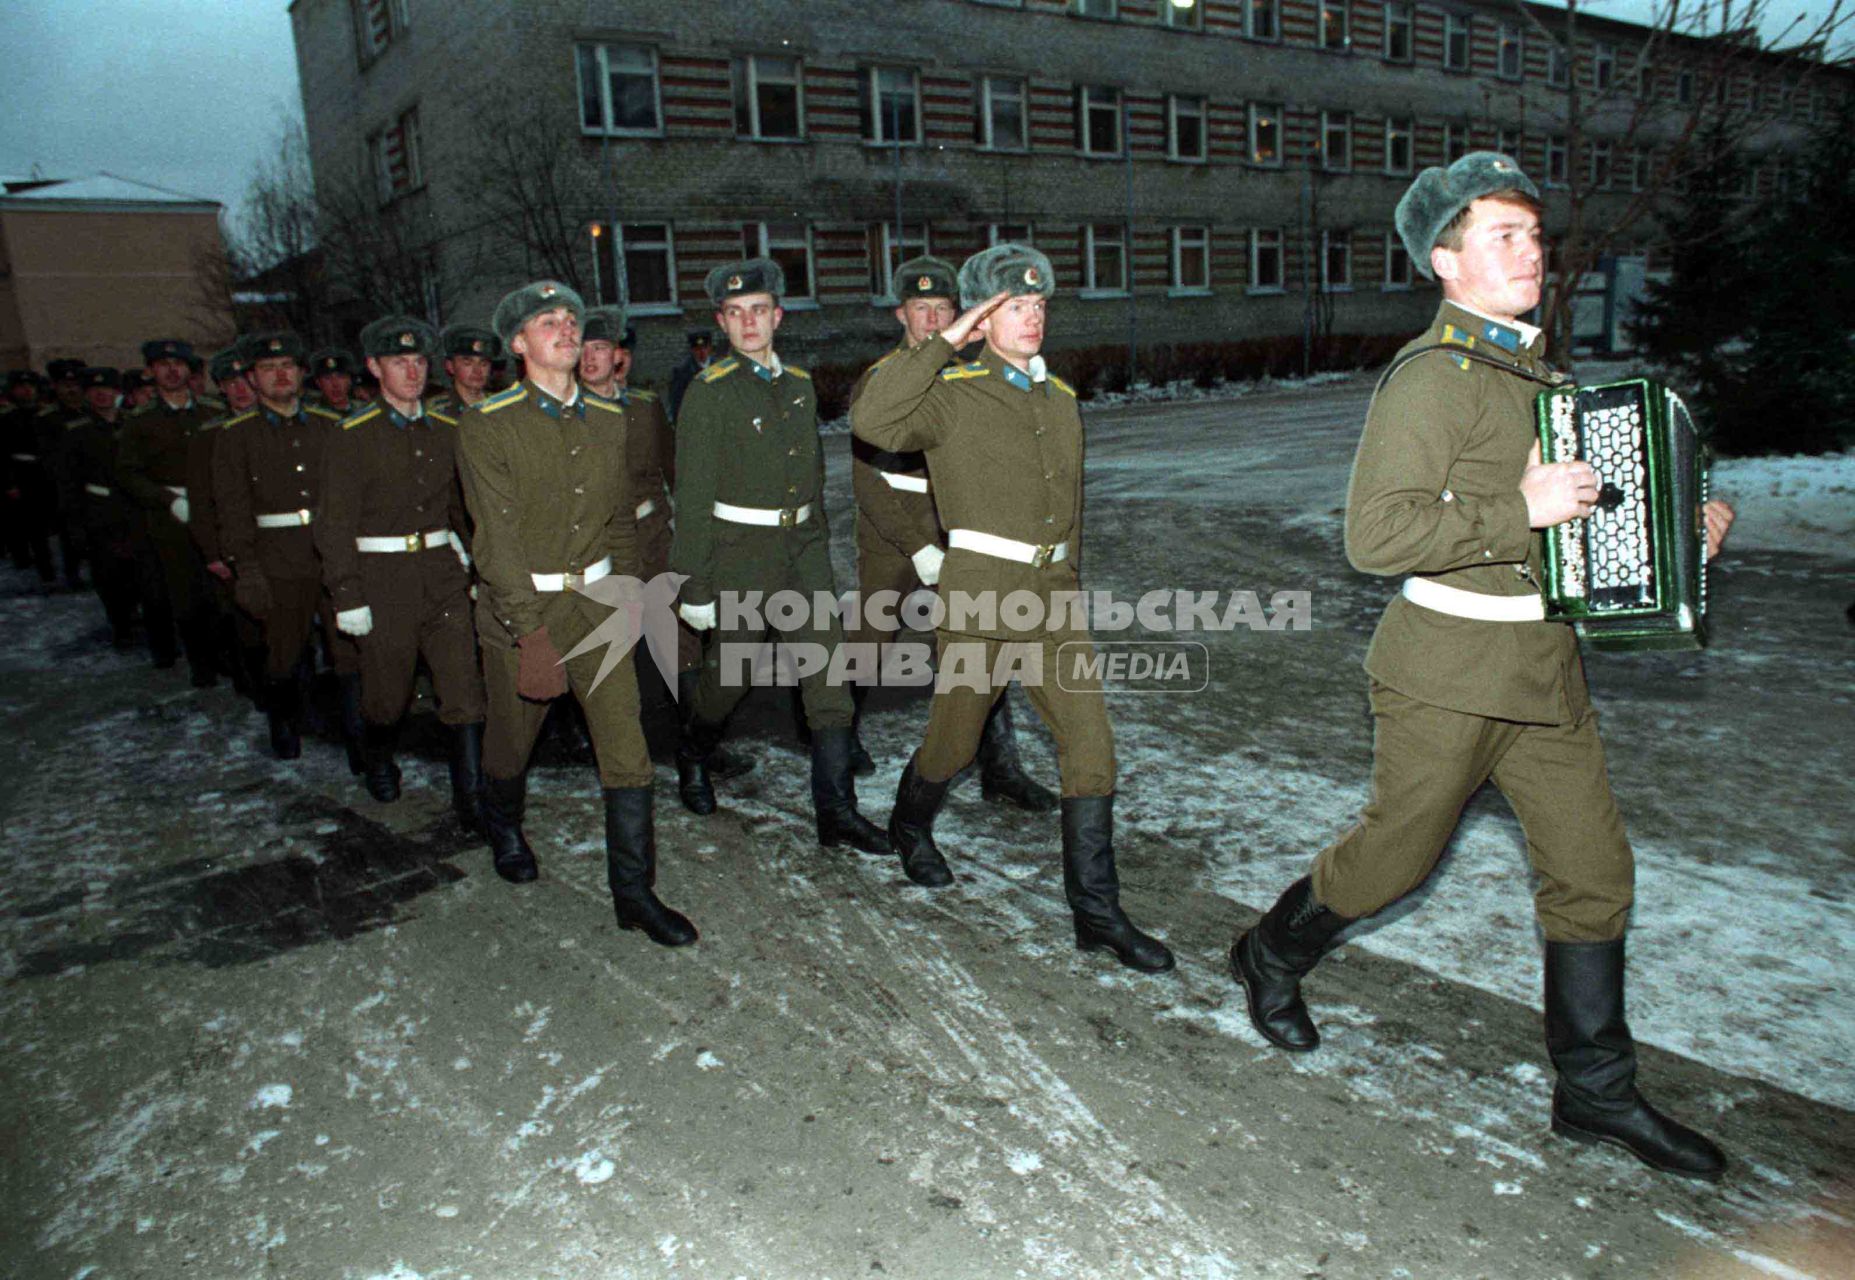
(1554,379)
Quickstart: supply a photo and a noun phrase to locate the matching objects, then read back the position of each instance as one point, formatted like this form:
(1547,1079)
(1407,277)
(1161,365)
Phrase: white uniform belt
(987,544)
(284,519)
(645,508)
(1444,598)
(97,490)
(561,581)
(25,457)
(178,490)
(896,480)
(405,542)
(771,517)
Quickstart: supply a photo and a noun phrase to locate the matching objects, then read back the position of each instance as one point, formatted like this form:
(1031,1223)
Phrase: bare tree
(276,278)
(536,194)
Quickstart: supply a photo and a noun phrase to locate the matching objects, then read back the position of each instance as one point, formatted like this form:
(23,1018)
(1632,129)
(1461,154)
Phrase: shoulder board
(211,402)
(71,424)
(960,372)
(884,360)
(600,402)
(438,415)
(1455,337)
(1062,386)
(141,410)
(716,372)
(797,372)
(323,411)
(235,419)
(502,399)
(639,393)
(354,420)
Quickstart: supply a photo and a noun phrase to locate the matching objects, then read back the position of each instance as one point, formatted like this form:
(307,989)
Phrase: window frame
(1080,9)
(1407,125)
(1170,15)
(1510,37)
(1399,16)
(1395,252)
(1557,148)
(986,123)
(1175,238)
(1257,246)
(1455,139)
(1330,122)
(1603,65)
(1458,24)
(749,64)
(1085,106)
(1600,179)
(602,67)
(765,244)
(636,244)
(1203,112)
(994,233)
(1558,66)
(1274,9)
(891,258)
(1330,240)
(387,190)
(1272,119)
(1091,288)
(870,82)
(1324,11)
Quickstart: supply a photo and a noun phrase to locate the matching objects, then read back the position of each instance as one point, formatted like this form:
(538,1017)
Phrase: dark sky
(191,94)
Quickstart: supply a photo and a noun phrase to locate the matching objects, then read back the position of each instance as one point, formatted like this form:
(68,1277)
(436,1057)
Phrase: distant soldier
(196,376)
(238,641)
(470,355)
(94,500)
(900,545)
(31,495)
(389,532)
(152,463)
(65,403)
(138,388)
(750,518)
(1003,441)
(331,375)
(544,473)
(701,354)
(267,482)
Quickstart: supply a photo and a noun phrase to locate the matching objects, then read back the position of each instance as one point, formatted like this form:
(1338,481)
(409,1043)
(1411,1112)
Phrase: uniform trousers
(420,602)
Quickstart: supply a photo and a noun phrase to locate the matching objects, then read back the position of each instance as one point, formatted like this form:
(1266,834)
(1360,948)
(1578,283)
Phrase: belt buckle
(788,517)
(302,516)
(1040,558)
(414,542)
(573,581)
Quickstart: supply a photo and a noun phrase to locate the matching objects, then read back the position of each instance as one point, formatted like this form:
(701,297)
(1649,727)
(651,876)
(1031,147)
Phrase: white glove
(700,617)
(355,622)
(463,556)
(179,509)
(927,564)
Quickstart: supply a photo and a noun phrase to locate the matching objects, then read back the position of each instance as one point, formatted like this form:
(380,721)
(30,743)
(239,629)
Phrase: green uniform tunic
(893,521)
(31,488)
(1005,453)
(103,516)
(1457,701)
(151,462)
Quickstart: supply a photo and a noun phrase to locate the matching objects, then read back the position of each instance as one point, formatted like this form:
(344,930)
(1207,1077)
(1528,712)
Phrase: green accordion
(1634,574)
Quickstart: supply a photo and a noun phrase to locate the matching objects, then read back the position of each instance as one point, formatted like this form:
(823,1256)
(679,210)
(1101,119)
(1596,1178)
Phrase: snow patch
(593,1169)
(271,1095)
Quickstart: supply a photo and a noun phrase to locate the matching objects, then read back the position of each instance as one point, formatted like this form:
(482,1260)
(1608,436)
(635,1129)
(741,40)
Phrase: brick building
(1216,170)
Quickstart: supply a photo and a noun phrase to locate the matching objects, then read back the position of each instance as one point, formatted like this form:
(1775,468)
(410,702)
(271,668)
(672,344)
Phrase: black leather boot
(1589,1041)
(196,640)
(353,727)
(834,796)
(379,771)
(860,763)
(1094,890)
(911,828)
(283,706)
(1271,959)
(693,784)
(1001,773)
(724,762)
(505,800)
(631,869)
(467,775)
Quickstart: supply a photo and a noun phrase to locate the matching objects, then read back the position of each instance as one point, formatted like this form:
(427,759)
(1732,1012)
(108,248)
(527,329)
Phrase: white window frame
(1270,114)
(602,67)
(871,76)
(1261,239)
(1332,122)
(386,189)
(1400,17)
(1093,288)
(1187,105)
(995,233)
(1603,65)
(1458,25)
(1558,66)
(1086,106)
(637,244)
(1327,11)
(1395,252)
(1600,166)
(1455,140)
(1517,138)
(792,300)
(1253,30)
(891,258)
(1510,39)
(1200,237)
(367,46)
(1189,18)
(1329,241)
(1557,158)
(989,136)
(1394,128)
(1684,88)
(1639,167)
(1103,10)
(749,65)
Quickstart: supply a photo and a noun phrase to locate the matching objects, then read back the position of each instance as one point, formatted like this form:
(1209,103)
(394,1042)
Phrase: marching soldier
(899,540)
(152,464)
(138,388)
(67,402)
(700,355)
(544,473)
(390,535)
(750,517)
(1469,682)
(331,374)
(30,485)
(267,482)
(470,354)
(1003,442)
(238,642)
(95,502)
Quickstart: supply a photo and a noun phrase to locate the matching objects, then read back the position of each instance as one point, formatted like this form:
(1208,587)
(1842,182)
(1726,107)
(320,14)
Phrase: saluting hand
(1557,491)
(960,332)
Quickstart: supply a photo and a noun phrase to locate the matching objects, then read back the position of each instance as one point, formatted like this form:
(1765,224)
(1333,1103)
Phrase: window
(1455,142)
(1266,133)
(1639,169)
(1511,144)
(1555,162)
(1558,67)
(1191,260)
(377,23)
(1336,261)
(1397,146)
(1603,65)
(1098,121)
(1009,233)
(889,102)
(1397,33)
(1455,42)
(648,285)
(618,89)
(1335,26)
(1510,53)
(394,154)
(769,102)
(1002,123)
(790,245)
(1336,137)
(1397,263)
(1266,261)
(1600,165)
(1105,257)
(1261,20)
(1094,8)
(1185,128)
(1684,87)
(1185,17)
(887,253)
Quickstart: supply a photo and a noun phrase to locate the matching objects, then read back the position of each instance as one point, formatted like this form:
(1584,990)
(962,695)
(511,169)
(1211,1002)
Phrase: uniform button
(574,452)
(1049,519)
(418,453)
(1039,430)
(793,452)
(578,489)
(1049,475)
(299,466)
(576,528)
(1488,555)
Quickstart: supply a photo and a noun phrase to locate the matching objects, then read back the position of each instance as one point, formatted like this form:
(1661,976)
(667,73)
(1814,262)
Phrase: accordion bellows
(1634,574)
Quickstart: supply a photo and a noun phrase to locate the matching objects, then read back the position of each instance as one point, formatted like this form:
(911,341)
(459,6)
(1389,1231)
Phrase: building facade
(1214,170)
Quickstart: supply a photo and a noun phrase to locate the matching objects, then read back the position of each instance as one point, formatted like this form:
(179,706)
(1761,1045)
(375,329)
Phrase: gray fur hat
(521,305)
(755,275)
(1005,268)
(603,324)
(926,277)
(1438,195)
(399,336)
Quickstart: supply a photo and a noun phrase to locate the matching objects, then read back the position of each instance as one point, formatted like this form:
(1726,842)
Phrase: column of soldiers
(471,531)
